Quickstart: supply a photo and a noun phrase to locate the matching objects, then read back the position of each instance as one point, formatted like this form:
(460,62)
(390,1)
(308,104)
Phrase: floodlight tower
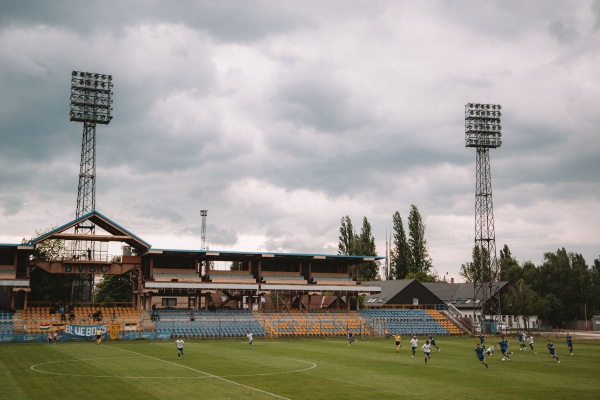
(91,103)
(203,214)
(484,132)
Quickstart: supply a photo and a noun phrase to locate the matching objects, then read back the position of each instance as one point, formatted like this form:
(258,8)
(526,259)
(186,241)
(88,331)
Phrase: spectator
(192,318)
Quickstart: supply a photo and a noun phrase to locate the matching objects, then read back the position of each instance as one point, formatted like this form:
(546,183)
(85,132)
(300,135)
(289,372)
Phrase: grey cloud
(228,20)
(189,135)
(563,33)
(11,204)
(596,12)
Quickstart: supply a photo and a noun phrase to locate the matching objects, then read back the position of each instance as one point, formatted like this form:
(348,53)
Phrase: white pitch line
(205,373)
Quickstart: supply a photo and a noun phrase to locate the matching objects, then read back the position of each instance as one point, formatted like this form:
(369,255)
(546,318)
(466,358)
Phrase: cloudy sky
(281,117)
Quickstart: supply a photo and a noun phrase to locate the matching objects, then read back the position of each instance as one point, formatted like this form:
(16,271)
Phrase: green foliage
(401,262)
(509,267)
(566,276)
(114,288)
(562,288)
(409,259)
(471,270)
(48,250)
(346,238)
(550,307)
(422,277)
(363,244)
(520,300)
(421,262)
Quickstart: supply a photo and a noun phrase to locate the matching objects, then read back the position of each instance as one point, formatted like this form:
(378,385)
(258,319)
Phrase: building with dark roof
(457,298)
(183,278)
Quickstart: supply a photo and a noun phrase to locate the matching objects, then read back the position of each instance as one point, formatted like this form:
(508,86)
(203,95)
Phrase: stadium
(299,308)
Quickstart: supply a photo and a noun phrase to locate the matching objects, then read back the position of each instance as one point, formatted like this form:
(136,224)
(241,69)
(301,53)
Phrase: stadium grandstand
(180,293)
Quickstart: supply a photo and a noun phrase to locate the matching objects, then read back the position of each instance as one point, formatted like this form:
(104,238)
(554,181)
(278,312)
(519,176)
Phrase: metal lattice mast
(86,191)
(91,103)
(483,131)
(203,245)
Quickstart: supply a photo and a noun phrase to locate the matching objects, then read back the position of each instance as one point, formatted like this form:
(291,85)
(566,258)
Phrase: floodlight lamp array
(482,125)
(91,97)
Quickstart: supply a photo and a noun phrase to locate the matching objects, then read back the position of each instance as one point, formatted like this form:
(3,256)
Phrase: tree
(47,250)
(593,305)
(418,245)
(364,244)
(401,257)
(114,288)
(566,276)
(346,238)
(470,270)
(509,268)
(521,300)
(422,277)
(550,307)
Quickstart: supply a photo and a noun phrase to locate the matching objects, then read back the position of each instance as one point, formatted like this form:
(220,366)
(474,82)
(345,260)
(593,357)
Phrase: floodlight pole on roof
(91,103)
(203,214)
(483,131)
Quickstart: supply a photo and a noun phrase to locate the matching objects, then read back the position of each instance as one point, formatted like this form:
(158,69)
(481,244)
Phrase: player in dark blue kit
(570,343)
(432,342)
(480,353)
(552,350)
(504,349)
(482,340)
(521,337)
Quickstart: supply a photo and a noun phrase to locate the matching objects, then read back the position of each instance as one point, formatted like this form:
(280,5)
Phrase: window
(169,302)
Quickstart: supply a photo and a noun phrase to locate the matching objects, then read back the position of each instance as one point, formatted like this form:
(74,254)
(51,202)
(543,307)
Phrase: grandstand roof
(228,255)
(118,232)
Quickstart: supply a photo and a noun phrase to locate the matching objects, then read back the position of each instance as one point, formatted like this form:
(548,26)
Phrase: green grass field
(293,369)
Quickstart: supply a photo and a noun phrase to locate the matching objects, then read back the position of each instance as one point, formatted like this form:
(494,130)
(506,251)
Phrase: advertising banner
(84,330)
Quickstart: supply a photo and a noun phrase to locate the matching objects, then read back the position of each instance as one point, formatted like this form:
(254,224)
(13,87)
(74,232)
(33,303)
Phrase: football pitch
(294,369)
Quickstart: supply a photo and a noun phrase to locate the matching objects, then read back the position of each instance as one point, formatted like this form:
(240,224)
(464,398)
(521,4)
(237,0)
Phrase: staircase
(147,324)
(18,322)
